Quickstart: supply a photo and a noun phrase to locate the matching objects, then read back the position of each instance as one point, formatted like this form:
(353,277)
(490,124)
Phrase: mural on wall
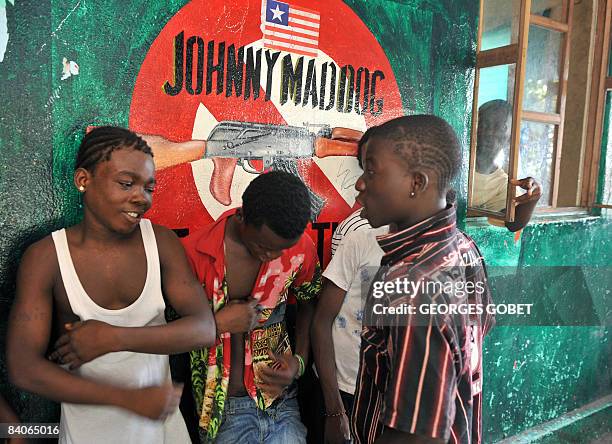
(267,85)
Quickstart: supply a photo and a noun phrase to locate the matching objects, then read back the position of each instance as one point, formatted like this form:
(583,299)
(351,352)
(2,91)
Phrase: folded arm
(196,327)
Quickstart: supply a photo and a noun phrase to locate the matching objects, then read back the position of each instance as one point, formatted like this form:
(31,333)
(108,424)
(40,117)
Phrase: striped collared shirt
(421,373)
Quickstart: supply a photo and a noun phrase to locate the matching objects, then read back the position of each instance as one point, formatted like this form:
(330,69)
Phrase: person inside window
(490,179)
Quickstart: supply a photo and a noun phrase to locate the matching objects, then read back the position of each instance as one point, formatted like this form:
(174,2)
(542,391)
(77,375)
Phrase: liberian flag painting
(290,28)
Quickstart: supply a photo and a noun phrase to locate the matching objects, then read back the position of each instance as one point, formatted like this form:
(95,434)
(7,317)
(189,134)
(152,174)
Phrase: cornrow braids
(280,200)
(98,145)
(424,142)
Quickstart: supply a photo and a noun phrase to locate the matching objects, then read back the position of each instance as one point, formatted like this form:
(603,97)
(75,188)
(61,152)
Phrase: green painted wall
(532,374)
(535,373)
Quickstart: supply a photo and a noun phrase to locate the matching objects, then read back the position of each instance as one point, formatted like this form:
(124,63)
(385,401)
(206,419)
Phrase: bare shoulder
(168,243)
(164,234)
(40,255)
(39,264)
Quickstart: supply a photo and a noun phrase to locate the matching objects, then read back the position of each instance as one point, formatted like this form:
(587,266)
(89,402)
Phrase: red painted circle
(342,36)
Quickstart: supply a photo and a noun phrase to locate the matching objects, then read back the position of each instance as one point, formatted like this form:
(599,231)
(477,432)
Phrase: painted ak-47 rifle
(278,146)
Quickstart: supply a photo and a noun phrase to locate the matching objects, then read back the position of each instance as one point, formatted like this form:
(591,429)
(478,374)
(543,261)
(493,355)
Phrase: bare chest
(112,278)
(241,272)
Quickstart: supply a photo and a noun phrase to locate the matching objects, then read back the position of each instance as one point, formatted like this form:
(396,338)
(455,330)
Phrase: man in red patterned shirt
(420,369)
(250,260)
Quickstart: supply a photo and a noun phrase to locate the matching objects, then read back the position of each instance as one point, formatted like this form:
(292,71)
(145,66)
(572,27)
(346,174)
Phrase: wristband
(302,366)
(334,415)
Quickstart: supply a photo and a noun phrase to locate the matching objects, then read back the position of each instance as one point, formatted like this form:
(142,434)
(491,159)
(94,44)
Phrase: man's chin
(371,220)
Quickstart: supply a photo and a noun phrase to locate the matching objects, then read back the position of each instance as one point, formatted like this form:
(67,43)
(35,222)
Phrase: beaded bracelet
(302,366)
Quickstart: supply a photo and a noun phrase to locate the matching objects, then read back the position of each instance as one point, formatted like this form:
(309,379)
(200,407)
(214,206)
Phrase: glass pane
(500,23)
(606,154)
(495,97)
(542,70)
(536,156)
(552,9)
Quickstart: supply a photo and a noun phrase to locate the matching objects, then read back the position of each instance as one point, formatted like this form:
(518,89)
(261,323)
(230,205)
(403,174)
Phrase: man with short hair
(419,377)
(490,179)
(250,260)
(336,334)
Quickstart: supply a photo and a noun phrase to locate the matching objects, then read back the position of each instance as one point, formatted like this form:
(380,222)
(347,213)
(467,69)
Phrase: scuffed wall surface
(28,203)
(434,50)
(532,373)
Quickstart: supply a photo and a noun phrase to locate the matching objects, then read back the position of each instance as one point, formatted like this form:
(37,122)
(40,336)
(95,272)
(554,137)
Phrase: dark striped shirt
(420,374)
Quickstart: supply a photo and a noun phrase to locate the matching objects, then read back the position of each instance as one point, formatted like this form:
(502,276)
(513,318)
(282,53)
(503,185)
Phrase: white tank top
(81,423)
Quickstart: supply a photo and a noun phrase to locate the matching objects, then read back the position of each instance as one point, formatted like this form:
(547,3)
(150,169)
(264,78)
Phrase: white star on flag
(278,14)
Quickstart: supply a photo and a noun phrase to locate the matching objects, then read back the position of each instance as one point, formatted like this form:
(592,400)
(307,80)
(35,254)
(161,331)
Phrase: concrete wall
(532,373)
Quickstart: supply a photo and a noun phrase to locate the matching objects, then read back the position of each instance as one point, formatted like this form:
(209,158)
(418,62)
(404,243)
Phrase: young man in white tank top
(99,284)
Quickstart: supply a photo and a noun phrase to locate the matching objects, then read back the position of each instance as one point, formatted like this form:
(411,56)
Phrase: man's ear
(82,178)
(420,182)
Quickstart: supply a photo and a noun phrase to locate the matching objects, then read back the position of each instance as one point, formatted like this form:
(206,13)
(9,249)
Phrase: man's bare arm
(7,414)
(525,204)
(303,321)
(328,307)
(28,337)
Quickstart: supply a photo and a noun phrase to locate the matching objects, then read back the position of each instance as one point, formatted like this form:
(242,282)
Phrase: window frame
(516,53)
(601,83)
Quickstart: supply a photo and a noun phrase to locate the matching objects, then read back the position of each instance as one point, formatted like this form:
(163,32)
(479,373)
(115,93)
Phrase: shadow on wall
(29,407)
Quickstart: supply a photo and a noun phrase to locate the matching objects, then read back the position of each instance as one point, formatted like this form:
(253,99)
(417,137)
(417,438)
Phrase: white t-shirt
(352,269)
(353,222)
(490,190)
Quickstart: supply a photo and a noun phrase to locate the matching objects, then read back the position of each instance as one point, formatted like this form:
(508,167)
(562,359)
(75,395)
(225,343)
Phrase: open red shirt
(297,271)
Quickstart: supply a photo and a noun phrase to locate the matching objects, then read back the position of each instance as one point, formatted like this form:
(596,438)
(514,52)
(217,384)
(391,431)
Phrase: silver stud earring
(412,194)
(81,188)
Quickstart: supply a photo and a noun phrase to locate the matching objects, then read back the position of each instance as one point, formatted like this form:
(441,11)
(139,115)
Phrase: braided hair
(424,142)
(98,145)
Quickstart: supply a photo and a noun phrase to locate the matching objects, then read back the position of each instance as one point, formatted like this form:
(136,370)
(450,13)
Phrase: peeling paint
(69,68)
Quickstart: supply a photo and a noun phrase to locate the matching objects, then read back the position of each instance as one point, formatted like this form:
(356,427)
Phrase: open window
(538,96)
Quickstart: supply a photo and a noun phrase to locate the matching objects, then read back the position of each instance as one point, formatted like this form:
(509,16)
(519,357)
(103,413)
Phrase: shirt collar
(211,239)
(438,227)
